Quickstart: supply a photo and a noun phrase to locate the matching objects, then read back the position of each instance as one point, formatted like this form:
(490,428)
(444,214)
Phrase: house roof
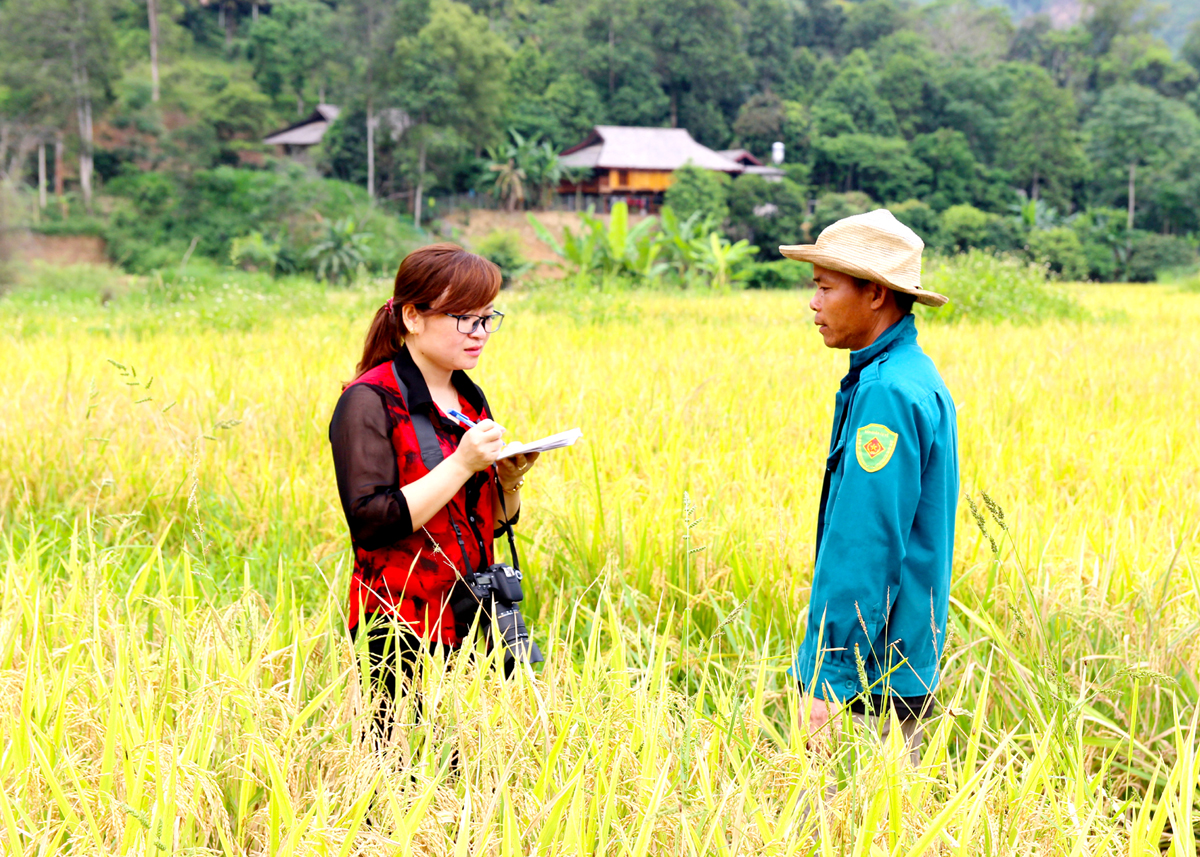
(742,156)
(627,148)
(308,131)
(751,169)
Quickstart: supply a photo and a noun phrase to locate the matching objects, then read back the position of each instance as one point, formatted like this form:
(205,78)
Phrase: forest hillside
(1074,139)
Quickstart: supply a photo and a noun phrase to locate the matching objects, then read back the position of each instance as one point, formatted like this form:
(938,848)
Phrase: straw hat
(874,246)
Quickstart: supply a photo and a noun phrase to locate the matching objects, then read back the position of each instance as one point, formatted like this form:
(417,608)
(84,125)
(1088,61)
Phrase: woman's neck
(437,379)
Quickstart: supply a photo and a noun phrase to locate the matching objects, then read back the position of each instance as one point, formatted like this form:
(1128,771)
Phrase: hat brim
(811,253)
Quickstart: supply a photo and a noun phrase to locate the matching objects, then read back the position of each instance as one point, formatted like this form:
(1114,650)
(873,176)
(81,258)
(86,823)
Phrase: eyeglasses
(470,323)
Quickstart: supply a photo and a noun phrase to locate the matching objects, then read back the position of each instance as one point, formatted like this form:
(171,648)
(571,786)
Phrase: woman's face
(440,339)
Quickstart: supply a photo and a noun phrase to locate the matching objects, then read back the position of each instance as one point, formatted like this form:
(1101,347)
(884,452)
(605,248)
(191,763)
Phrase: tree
(767,214)
(851,104)
(290,46)
(883,167)
(1134,126)
(868,22)
(560,105)
(68,47)
(698,61)
(760,122)
(907,84)
(1040,136)
(952,176)
(1107,20)
(694,189)
(958,29)
(1191,46)
(450,78)
(1145,59)
(974,102)
(152,26)
(770,38)
(524,164)
(362,27)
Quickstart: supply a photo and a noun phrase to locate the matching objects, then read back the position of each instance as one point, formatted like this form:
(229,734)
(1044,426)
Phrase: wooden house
(297,140)
(635,164)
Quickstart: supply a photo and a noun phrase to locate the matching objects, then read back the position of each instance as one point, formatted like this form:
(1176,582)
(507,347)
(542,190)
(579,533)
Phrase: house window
(623,178)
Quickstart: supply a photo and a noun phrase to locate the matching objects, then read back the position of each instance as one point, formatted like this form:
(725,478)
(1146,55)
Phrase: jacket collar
(418,391)
(905,330)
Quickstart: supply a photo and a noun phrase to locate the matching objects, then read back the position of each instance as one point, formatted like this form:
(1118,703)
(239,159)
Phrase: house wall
(636,181)
(604,182)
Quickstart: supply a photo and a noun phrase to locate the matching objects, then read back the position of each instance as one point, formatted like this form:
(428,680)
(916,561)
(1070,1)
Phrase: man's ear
(879,296)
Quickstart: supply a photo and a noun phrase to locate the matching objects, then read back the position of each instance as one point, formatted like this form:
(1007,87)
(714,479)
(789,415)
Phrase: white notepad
(554,441)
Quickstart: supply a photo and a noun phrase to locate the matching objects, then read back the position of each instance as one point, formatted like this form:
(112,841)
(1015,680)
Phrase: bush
(985,287)
(965,226)
(1060,250)
(1152,253)
(254,253)
(832,207)
(767,213)
(1100,260)
(918,217)
(694,189)
(783,274)
(503,247)
(157,216)
(1104,239)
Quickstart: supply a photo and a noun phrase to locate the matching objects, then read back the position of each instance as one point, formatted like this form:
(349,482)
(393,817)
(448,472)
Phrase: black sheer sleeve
(365,463)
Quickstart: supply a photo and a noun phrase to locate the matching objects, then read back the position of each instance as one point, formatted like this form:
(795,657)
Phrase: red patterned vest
(411,578)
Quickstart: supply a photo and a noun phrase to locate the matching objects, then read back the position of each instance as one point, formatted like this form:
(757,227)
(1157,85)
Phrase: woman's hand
(480,445)
(512,470)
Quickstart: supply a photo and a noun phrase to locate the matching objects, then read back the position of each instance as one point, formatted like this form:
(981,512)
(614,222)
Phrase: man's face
(845,315)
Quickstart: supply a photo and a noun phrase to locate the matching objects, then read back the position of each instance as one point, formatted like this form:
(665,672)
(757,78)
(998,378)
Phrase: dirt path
(473,225)
(61,249)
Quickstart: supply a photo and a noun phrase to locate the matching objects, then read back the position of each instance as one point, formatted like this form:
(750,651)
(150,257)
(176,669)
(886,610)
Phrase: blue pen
(460,418)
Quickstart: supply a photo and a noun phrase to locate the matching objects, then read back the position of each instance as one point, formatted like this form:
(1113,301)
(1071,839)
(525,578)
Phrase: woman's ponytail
(384,339)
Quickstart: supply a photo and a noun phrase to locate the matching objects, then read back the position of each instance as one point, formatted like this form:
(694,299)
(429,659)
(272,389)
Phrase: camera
(495,592)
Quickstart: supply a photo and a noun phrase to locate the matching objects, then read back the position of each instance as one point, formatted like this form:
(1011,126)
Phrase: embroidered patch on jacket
(874,446)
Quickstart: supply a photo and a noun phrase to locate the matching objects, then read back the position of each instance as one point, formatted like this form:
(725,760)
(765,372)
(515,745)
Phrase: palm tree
(525,169)
(509,184)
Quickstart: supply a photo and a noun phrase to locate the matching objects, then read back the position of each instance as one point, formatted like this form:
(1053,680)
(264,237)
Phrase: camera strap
(427,439)
(506,525)
(432,456)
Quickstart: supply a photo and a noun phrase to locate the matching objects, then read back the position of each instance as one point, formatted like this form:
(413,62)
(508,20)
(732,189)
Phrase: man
(885,529)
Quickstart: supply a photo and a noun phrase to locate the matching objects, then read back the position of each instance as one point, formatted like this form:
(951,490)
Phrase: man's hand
(818,719)
(820,714)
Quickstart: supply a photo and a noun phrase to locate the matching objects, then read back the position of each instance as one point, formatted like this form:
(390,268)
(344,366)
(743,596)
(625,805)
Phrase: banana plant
(724,261)
(608,249)
(651,249)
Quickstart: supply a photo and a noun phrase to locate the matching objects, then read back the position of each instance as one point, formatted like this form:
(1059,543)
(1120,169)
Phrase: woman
(420,517)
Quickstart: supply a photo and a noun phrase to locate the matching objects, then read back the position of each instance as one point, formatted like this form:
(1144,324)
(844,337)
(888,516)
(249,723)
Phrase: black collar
(418,390)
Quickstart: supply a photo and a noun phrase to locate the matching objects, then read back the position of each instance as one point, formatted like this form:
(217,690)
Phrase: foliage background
(986,125)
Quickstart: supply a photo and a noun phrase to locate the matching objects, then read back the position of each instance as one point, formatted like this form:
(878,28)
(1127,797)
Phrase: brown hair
(438,278)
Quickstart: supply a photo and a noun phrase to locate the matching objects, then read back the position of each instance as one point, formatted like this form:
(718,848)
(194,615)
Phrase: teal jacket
(885,534)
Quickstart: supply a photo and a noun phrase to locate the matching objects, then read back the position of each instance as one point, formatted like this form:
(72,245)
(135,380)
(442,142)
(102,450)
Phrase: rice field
(175,677)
